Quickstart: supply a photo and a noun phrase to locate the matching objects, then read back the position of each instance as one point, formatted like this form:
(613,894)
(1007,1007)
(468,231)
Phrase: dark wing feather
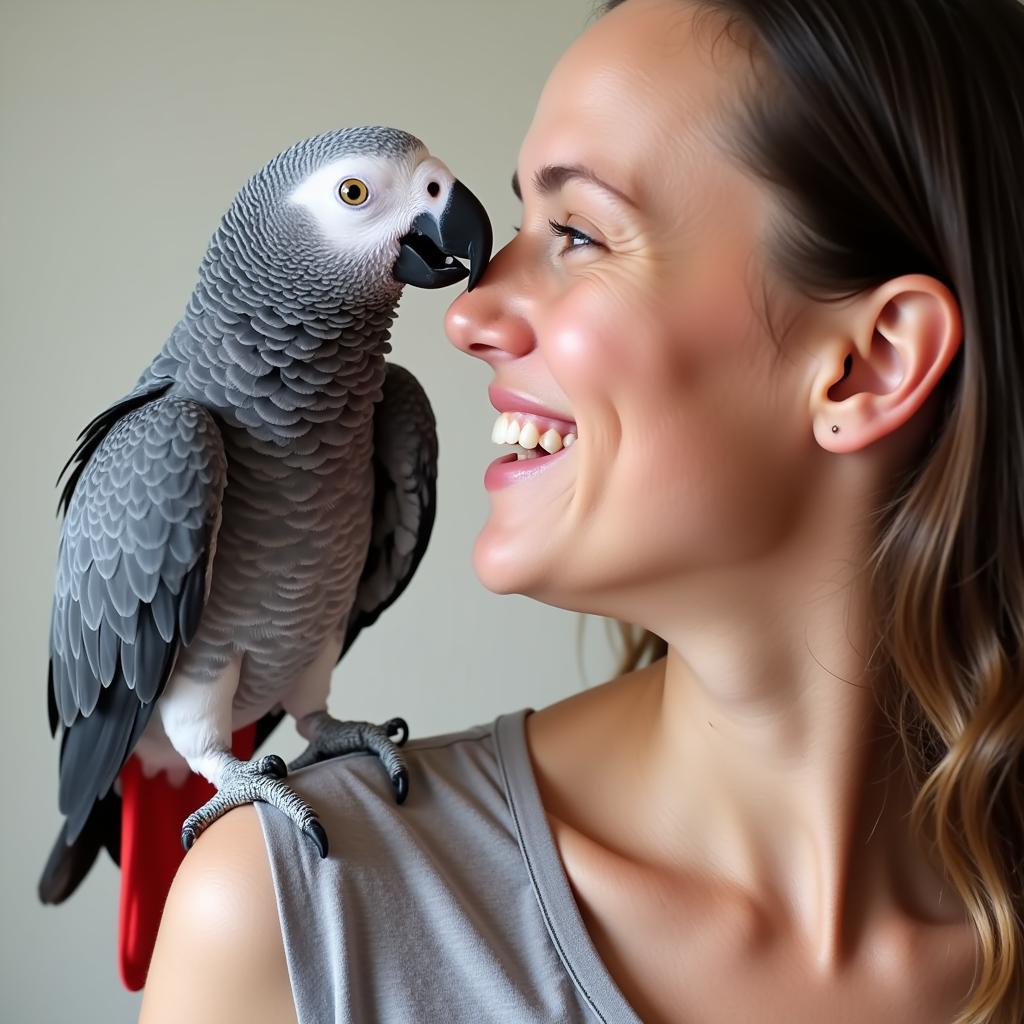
(404,499)
(131,582)
(51,702)
(94,432)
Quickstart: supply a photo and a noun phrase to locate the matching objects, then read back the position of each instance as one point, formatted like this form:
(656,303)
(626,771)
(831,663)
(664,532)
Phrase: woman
(808,806)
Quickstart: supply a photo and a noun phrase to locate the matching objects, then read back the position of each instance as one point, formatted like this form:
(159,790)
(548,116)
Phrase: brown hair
(893,132)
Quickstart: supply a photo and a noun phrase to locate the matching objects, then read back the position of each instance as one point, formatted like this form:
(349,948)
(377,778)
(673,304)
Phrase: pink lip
(507,469)
(510,401)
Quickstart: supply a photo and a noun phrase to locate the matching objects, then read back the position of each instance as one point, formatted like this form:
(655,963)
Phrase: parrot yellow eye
(353,192)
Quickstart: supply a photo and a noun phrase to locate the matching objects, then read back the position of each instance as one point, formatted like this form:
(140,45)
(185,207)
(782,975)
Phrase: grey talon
(316,833)
(243,782)
(273,765)
(400,780)
(333,738)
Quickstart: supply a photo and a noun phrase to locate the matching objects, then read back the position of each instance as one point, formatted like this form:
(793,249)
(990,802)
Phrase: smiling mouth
(531,436)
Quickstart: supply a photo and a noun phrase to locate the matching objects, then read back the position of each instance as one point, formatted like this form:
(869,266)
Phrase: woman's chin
(507,563)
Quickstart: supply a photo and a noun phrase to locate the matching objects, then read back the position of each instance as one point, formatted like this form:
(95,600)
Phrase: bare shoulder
(573,733)
(219,954)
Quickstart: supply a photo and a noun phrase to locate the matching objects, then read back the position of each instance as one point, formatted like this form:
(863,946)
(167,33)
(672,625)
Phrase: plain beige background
(126,129)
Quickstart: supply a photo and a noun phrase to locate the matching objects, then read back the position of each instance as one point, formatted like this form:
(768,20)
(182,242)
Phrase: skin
(749,855)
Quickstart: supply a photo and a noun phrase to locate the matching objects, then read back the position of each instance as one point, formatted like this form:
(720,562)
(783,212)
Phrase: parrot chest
(289,553)
(297,511)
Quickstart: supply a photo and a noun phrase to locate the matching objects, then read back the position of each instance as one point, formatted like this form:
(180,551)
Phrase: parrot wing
(404,499)
(142,513)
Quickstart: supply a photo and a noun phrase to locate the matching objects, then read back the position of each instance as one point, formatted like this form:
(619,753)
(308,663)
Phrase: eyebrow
(551,177)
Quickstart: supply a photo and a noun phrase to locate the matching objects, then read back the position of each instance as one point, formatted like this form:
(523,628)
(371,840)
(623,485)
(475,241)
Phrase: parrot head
(354,215)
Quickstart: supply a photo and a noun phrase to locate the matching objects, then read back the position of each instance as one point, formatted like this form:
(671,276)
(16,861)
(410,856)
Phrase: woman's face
(692,442)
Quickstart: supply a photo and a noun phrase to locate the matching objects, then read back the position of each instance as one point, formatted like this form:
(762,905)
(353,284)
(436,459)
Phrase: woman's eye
(574,233)
(563,230)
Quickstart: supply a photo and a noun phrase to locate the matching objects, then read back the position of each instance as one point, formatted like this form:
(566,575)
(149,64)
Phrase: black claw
(400,781)
(397,725)
(316,832)
(273,765)
(188,837)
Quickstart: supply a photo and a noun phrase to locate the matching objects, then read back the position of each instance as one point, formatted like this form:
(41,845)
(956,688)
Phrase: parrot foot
(243,782)
(332,738)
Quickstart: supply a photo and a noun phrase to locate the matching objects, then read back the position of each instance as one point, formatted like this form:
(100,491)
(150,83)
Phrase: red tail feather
(152,812)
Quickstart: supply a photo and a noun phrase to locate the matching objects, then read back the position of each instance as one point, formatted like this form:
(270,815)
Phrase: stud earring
(835,430)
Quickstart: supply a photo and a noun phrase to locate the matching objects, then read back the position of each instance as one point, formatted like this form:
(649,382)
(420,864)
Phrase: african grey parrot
(265,490)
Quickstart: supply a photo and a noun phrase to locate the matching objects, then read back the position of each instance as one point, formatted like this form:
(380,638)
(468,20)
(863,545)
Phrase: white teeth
(529,435)
(551,441)
(508,430)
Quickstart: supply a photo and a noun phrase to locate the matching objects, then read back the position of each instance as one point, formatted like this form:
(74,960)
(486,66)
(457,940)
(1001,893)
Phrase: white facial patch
(394,200)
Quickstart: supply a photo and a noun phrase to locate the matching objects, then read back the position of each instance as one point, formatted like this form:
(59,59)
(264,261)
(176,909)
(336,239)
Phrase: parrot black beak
(426,258)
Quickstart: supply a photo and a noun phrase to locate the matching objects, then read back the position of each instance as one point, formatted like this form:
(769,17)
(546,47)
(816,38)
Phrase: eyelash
(564,230)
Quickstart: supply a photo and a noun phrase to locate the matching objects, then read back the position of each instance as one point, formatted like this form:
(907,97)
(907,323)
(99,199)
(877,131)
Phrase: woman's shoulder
(456,789)
(219,953)
(433,760)
(429,904)
(449,774)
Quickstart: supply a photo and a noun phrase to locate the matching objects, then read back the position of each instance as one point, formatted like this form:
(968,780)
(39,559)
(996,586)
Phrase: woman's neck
(799,799)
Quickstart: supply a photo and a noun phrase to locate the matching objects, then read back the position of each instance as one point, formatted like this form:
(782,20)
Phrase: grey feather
(163,609)
(405,498)
(132,644)
(128,664)
(152,655)
(89,687)
(91,646)
(73,628)
(109,645)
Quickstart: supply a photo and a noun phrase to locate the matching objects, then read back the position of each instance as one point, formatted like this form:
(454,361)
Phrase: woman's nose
(484,322)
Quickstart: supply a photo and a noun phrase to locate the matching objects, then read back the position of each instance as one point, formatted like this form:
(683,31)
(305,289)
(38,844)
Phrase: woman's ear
(895,343)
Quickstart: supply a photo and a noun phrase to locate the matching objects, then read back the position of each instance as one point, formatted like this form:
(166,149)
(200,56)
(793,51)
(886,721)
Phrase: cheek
(623,336)
(689,489)
(636,369)
(585,343)
(687,458)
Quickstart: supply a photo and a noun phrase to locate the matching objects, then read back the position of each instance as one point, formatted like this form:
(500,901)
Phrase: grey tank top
(452,907)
